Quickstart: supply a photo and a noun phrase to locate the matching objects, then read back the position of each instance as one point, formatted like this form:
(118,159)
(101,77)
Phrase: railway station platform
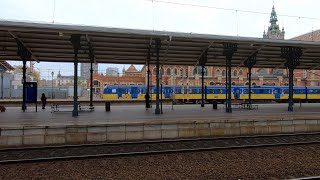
(134,122)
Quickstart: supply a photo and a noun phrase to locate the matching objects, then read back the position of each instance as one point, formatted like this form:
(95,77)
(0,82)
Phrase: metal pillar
(203,61)
(292,56)
(249,69)
(202,86)
(75,40)
(1,83)
(148,79)
(25,56)
(157,47)
(250,62)
(91,85)
(290,107)
(24,80)
(229,49)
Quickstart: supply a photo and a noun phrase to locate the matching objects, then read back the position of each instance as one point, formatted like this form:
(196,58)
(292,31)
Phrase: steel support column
(75,40)
(148,79)
(250,62)
(292,56)
(202,62)
(202,85)
(228,50)
(91,85)
(1,71)
(157,48)
(25,56)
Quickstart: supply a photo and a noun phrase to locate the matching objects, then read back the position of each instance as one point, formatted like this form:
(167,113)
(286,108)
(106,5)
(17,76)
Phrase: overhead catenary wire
(232,9)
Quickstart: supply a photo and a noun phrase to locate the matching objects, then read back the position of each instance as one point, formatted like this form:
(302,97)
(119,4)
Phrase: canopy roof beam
(25,46)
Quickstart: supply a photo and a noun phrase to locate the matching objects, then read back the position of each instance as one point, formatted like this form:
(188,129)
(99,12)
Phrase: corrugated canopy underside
(51,43)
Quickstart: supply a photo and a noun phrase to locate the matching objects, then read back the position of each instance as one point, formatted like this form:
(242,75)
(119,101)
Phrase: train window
(261,91)
(200,91)
(211,91)
(286,91)
(114,90)
(269,91)
(120,90)
(220,91)
(301,91)
(143,91)
(311,91)
(176,91)
(317,91)
(193,91)
(253,91)
(245,91)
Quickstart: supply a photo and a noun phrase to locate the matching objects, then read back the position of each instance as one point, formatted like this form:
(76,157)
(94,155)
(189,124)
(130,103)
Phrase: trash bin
(214,104)
(107,106)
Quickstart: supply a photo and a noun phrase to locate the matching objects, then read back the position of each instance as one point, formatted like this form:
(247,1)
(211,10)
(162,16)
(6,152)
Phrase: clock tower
(274,31)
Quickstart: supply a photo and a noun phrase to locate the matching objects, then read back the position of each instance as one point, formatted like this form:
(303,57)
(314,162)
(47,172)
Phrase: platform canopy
(51,43)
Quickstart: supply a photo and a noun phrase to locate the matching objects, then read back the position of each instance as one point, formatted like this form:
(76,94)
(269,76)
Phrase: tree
(34,74)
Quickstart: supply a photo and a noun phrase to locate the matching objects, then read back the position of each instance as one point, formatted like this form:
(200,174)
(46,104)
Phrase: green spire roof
(273,17)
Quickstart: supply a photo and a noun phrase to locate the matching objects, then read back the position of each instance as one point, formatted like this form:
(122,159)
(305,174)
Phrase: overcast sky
(223,17)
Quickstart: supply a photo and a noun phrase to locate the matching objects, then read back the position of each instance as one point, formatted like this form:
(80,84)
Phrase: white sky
(157,15)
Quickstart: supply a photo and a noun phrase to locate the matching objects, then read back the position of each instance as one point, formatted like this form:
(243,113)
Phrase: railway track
(72,152)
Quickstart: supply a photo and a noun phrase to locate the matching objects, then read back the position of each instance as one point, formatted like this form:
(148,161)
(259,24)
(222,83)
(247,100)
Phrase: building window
(175,71)
(212,83)
(235,73)
(240,72)
(223,72)
(218,72)
(233,83)
(162,71)
(168,71)
(198,70)
(154,71)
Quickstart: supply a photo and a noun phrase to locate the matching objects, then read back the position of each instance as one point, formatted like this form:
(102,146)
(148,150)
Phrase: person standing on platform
(43,100)
(147,97)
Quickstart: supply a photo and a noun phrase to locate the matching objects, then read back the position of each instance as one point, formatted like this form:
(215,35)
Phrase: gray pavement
(14,117)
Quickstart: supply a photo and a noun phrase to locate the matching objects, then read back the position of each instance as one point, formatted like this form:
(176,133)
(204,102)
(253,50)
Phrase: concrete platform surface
(14,117)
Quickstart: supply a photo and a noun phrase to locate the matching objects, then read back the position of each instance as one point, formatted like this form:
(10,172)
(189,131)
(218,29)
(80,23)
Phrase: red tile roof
(311,36)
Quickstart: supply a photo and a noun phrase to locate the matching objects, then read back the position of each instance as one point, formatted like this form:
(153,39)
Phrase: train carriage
(194,93)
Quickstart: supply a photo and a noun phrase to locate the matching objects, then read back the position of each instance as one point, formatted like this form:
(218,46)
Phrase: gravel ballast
(250,163)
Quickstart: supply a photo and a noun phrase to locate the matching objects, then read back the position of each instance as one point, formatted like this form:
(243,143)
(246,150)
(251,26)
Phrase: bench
(62,107)
(246,105)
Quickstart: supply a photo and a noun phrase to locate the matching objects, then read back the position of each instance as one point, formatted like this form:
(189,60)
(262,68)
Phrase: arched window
(154,71)
(247,84)
(233,83)
(253,84)
(168,71)
(223,72)
(161,71)
(198,70)
(218,72)
(240,72)
(212,83)
(175,71)
(235,73)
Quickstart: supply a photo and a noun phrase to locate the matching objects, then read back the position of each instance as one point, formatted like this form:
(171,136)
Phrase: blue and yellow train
(218,93)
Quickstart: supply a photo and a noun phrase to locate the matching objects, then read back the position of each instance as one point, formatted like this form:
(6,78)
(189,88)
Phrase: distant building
(274,31)
(85,69)
(112,71)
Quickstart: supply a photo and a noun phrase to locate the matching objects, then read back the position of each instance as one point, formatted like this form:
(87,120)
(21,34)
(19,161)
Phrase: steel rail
(166,150)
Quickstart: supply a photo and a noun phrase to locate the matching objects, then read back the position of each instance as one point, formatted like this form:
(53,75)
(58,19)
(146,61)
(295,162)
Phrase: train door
(134,92)
(236,93)
(120,91)
(277,93)
(167,92)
